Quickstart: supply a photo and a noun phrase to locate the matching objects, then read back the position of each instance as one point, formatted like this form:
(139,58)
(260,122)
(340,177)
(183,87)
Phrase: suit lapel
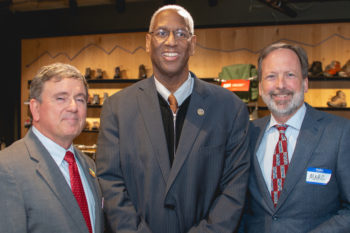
(150,110)
(309,135)
(52,176)
(191,127)
(257,135)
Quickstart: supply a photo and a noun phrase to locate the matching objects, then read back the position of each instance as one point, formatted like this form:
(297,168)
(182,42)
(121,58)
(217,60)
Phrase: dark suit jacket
(34,195)
(323,142)
(203,191)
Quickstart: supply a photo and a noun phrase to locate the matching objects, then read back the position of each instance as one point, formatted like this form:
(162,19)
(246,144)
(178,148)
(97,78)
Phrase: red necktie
(172,103)
(279,164)
(77,188)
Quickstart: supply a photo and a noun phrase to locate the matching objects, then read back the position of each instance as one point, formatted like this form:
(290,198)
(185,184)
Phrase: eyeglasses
(179,34)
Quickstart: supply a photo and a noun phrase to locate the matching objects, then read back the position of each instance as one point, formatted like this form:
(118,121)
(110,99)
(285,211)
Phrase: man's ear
(193,44)
(34,106)
(260,87)
(148,42)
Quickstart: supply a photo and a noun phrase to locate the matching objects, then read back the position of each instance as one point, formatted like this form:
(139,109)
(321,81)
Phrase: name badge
(318,176)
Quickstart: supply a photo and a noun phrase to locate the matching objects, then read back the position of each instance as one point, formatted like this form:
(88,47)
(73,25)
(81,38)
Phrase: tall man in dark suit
(302,184)
(177,165)
(46,184)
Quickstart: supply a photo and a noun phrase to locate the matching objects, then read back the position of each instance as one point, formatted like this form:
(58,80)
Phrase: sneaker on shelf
(338,101)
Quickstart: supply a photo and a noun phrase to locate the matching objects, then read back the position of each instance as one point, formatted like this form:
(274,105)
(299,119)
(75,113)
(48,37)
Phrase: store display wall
(217,47)
(16,26)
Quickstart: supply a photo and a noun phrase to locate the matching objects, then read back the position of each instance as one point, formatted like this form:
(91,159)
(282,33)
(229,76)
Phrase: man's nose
(280,82)
(171,40)
(73,106)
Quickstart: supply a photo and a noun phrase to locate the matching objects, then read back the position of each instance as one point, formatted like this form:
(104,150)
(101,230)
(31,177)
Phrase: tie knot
(69,157)
(281,128)
(173,103)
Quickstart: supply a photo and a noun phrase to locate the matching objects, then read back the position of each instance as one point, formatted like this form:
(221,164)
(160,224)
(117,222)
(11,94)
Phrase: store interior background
(19,22)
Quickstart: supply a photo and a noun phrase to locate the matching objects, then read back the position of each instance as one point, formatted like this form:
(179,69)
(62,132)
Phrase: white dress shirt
(180,94)
(58,153)
(268,143)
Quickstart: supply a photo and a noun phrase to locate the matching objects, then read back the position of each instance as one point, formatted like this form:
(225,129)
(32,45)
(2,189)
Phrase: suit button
(168,206)
(275,218)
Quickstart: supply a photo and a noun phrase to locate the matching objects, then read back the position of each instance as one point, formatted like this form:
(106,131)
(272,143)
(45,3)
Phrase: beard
(284,108)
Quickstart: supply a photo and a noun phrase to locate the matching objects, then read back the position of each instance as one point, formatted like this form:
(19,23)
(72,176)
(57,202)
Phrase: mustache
(281,92)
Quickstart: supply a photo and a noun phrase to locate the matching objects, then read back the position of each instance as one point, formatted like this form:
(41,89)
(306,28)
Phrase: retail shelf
(94,106)
(91,131)
(329,79)
(319,108)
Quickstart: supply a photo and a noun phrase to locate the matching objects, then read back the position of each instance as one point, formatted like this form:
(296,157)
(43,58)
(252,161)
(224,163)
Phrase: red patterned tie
(279,164)
(77,188)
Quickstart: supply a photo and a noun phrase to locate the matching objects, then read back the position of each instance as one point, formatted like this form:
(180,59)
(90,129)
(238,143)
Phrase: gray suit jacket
(34,195)
(323,142)
(203,191)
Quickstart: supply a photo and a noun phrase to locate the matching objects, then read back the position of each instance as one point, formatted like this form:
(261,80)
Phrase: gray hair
(180,10)
(299,51)
(56,71)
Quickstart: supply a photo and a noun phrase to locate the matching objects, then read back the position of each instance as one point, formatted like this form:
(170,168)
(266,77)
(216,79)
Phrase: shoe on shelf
(117,74)
(99,74)
(96,99)
(338,101)
(88,73)
(142,72)
(87,125)
(315,69)
(332,69)
(95,125)
(345,70)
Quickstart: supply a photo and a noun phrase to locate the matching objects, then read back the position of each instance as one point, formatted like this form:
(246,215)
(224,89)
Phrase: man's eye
(291,75)
(270,76)
(181,34)
(162,33)
(82,100)
(60,98)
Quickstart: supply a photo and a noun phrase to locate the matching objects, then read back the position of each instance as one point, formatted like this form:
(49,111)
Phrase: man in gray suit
(163,180)
(46,184)
(303,184)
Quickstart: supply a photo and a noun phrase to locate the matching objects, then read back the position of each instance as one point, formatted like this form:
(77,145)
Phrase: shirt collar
(295,121)
(56,151)
(180,94)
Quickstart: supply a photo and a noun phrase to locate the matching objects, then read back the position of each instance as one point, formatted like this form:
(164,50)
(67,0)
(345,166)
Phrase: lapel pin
(200,111)
(92,173)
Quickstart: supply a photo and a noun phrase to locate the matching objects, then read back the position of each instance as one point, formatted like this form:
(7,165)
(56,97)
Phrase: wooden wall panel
(216,48)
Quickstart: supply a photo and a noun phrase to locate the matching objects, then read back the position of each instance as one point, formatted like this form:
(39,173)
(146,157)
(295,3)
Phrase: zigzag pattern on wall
(198,45)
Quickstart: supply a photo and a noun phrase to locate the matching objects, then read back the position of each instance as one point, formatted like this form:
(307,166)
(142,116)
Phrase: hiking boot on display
(142,72)
(99,74)
(117,74)
(88,73)
(338,101)
(332,69)
(345,70)
(315,70)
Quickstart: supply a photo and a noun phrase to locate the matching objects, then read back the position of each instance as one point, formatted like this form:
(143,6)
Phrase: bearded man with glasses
(173,151)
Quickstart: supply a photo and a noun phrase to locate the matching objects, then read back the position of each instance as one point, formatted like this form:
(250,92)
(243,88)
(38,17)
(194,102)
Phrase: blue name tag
(318,176)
